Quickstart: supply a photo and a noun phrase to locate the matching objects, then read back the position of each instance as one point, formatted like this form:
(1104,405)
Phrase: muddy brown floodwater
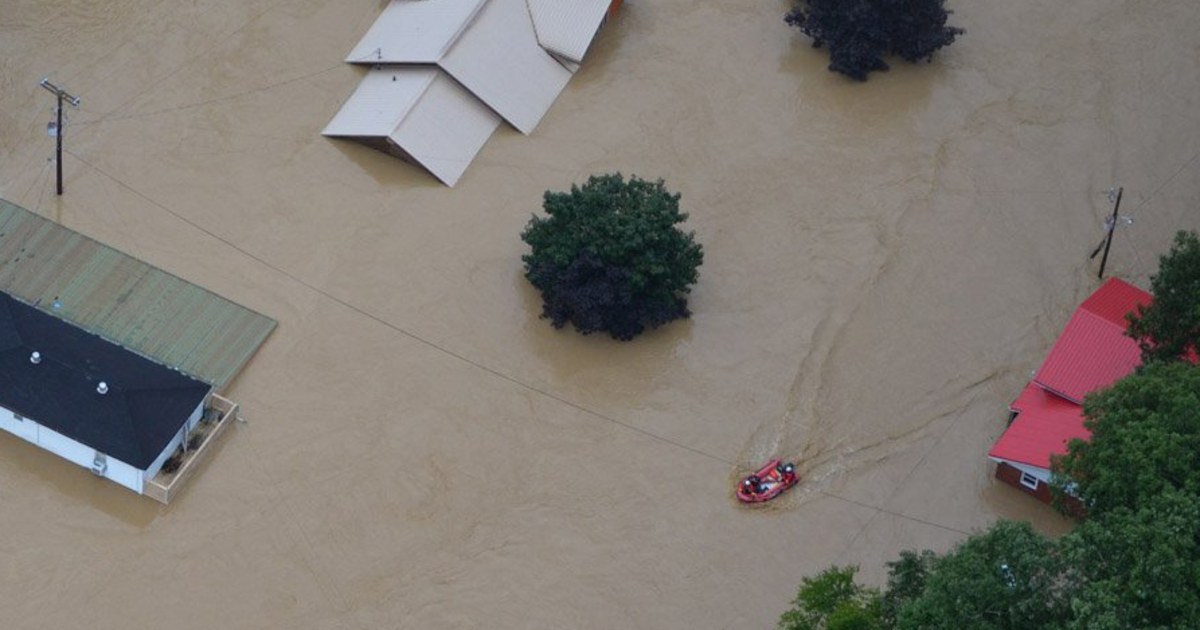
(885,264)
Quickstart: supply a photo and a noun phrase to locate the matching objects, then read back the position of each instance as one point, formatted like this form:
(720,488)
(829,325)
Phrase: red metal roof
(1114,299)
(1044,424)
(1093,351)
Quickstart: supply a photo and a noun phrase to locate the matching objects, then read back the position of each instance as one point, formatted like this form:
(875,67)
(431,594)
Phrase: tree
(860,33)
(1137,568)
(609,257)
(1145,440)
(1005,578)
(1134,562)
(833,601)
(906,582)
(1169,327)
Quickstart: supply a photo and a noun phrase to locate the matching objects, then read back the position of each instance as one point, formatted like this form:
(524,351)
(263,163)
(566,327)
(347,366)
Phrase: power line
(893,513)
(472,362)
(185,62)
(110,118)
(402,331)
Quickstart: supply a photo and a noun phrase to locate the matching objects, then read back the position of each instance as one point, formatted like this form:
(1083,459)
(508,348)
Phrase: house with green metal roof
(110,362)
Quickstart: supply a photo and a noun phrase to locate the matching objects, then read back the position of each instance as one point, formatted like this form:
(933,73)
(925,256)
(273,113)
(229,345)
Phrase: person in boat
(787,473)
(752,485)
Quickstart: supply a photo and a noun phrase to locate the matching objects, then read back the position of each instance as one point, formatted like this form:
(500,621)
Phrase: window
(1029,481)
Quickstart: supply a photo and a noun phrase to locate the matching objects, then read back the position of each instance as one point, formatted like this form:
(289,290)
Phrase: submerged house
(89,400)
(445,73)
(1091,354)
(108,362)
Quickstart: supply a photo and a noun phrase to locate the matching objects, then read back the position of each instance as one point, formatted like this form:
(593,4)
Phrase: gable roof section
(380,102)
(422,114)
(146,404)
(567,27)
(499,60)
(125,300)
(490,49)
(414,31)
(446,130)
(1043,426)
(514,56)
(1093,351)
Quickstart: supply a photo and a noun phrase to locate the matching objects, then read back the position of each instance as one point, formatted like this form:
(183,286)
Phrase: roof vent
(102,388)
(35,358)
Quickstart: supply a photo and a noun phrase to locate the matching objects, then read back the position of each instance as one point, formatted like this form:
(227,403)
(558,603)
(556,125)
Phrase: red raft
(769,482)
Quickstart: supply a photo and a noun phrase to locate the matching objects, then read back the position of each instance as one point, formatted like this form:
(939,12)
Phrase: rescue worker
(788,473)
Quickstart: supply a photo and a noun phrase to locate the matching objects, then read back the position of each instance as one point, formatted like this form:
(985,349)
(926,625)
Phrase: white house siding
(22,428)
(65,447)
(124,474)
(70,450)
(73,451)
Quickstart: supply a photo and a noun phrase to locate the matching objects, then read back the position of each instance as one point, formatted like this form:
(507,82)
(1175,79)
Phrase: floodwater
(885,264)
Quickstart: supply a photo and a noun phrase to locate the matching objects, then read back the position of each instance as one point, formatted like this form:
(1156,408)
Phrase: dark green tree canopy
(906,581)
(1145,439)
(833,601)
(1169,328)
(608,256)
(1137,568)
(860,33)
(1134,562)
(1005,578)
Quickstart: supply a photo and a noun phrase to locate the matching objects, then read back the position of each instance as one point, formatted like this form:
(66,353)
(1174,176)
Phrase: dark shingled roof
(146,404)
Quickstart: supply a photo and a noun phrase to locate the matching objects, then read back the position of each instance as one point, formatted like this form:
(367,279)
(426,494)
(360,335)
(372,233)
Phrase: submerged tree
(833,601)
(1134,562)
(1169,327)
(1007,578)
(609,257)
(860,33)
(1137,568)
(1145,439)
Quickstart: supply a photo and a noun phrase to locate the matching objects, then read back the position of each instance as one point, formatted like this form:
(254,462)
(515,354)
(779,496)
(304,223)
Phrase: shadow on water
(886,98)
(48,473)
(387,170)
(580,359)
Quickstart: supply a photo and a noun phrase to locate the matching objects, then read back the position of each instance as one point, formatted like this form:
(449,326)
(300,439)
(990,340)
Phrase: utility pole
(62,95)
(1112,227)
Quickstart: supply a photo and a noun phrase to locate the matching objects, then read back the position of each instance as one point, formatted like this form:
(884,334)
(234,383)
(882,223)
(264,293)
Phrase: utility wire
(110,118)
(476,364)
(398,329)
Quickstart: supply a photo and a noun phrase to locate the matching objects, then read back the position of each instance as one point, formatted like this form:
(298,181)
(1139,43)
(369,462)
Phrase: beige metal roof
(446,129)
(422,113)
(414,31)
(567,27)
(499,60)
(446,72)
(126,300)
(380,102)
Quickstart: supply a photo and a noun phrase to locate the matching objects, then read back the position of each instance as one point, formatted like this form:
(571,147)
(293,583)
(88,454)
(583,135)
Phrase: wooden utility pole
(1112,227)
(62,95)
